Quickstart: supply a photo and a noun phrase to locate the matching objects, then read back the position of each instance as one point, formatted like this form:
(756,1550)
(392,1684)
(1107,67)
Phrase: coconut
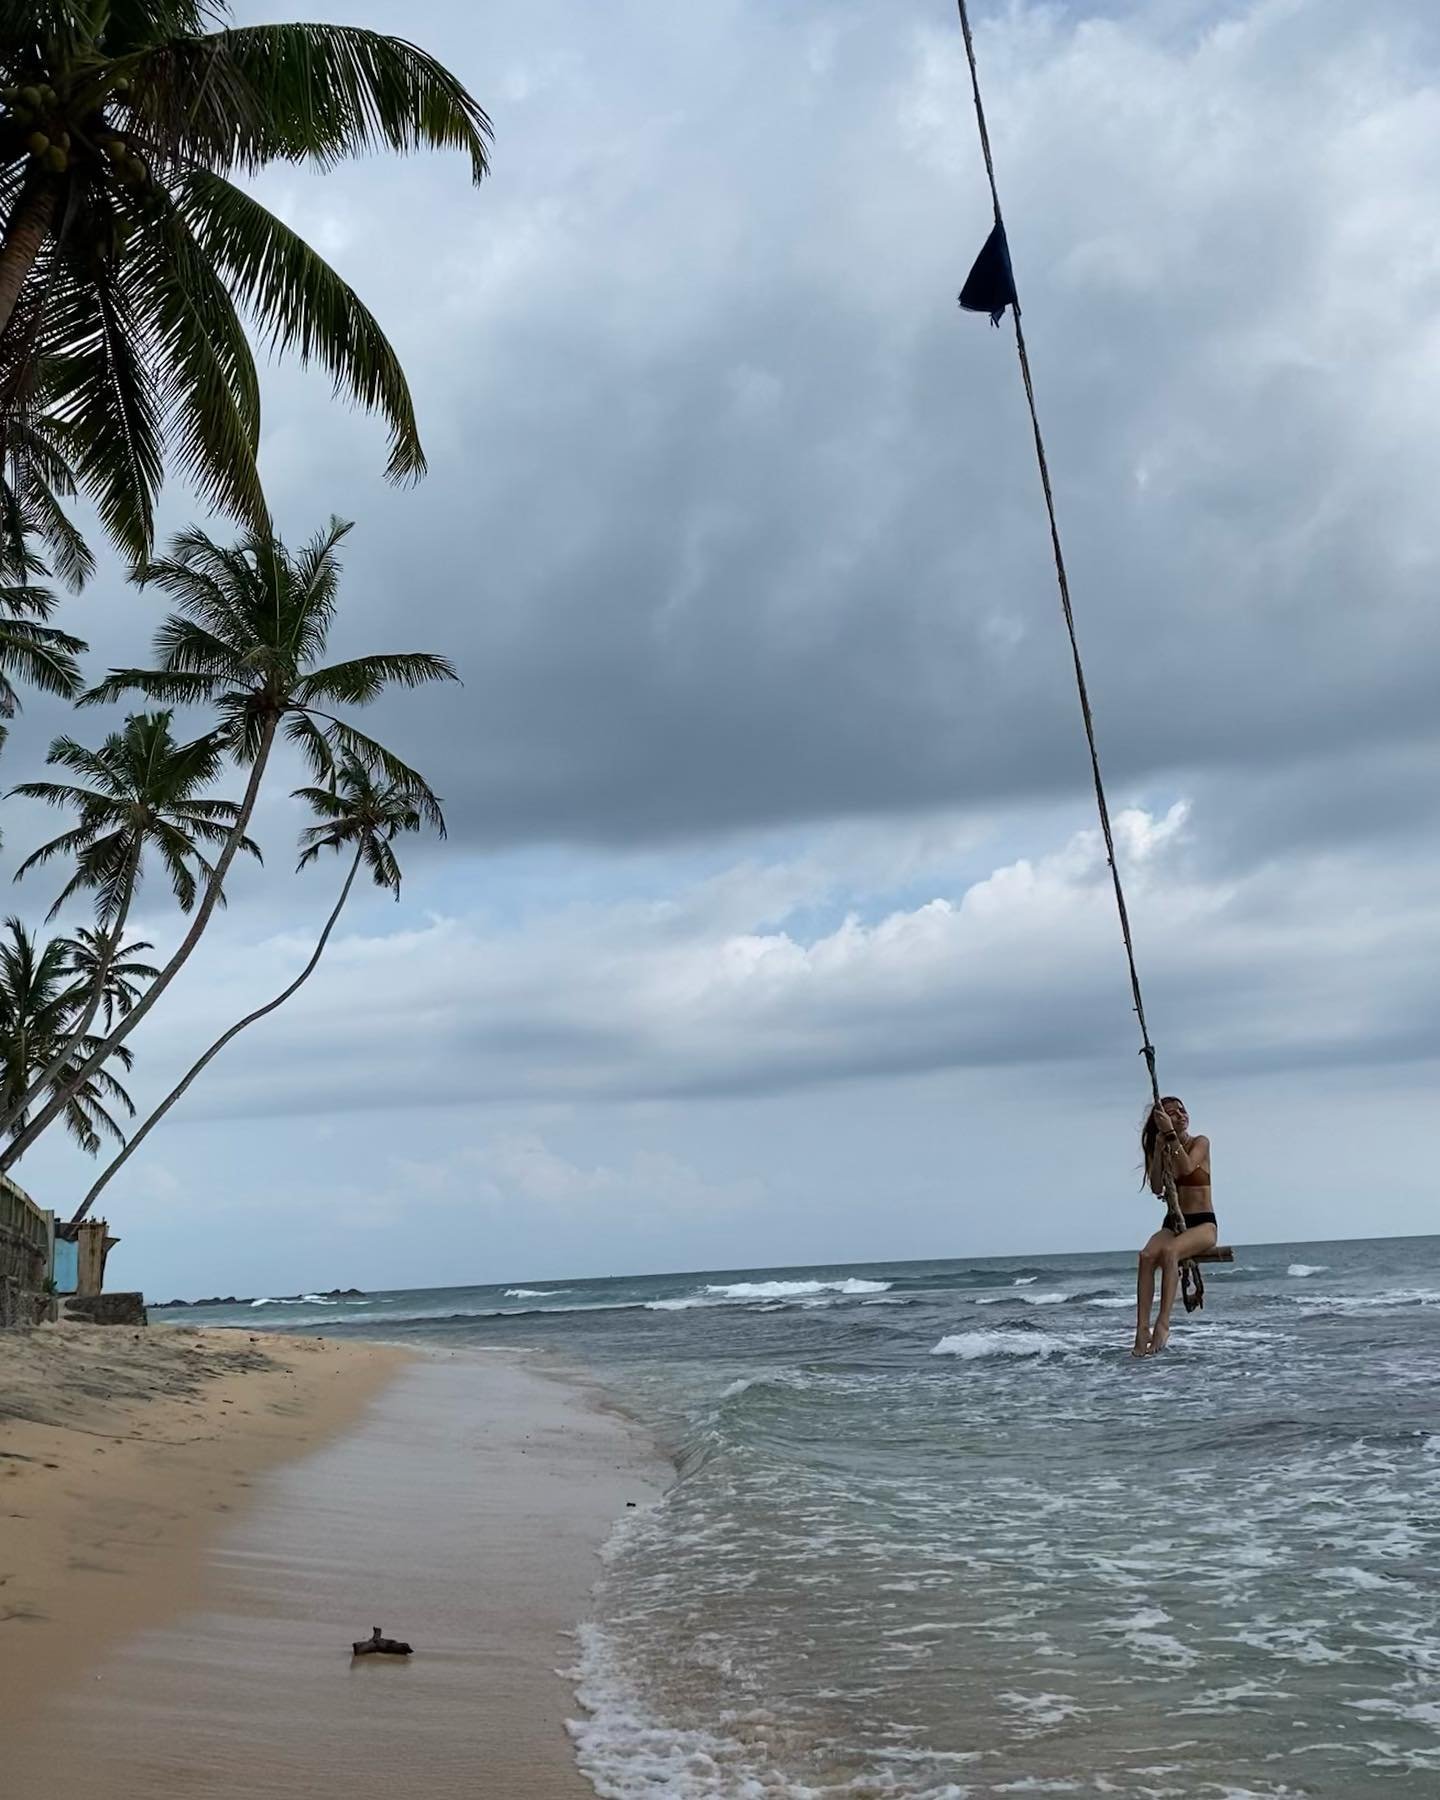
(37,143)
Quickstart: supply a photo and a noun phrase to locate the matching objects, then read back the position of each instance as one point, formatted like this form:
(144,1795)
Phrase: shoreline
(121,1453)
(459,1498)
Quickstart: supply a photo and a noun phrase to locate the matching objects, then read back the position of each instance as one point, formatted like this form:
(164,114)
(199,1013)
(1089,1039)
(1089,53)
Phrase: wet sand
(120,1452)
(463,1513)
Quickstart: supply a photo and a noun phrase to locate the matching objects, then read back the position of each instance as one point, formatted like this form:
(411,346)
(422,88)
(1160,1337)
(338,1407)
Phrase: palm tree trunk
(87,1018)
(29,227)
(113,1039)
(197,1067)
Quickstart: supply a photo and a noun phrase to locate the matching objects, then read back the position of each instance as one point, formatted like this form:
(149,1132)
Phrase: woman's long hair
(1150,1143)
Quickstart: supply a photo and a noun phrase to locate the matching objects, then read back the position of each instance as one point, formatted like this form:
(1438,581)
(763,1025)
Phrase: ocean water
(935,1534)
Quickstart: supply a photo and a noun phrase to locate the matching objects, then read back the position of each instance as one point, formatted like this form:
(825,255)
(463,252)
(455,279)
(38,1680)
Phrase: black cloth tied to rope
(1192,1282)
(990,285)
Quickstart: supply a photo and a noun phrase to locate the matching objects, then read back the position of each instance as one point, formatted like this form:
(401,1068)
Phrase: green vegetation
(44,990)
(356,811)
(132,259)
(130,252)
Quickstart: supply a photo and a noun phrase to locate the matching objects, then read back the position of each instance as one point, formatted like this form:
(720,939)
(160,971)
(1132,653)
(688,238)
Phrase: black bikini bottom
(1192,1219)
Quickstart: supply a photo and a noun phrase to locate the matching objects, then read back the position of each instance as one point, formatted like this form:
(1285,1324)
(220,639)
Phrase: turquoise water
(935,1534)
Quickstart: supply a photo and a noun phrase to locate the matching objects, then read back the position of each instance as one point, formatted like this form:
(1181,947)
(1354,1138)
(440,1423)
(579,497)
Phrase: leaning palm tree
(250,628)
(128,251)
(357,812)
(38,1001)
(140,792)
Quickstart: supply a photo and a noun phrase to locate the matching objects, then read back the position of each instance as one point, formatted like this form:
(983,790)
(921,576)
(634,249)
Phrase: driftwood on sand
(376,1645)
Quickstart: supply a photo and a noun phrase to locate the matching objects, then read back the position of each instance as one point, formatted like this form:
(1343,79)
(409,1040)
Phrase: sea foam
(971,1346)
(791,1290)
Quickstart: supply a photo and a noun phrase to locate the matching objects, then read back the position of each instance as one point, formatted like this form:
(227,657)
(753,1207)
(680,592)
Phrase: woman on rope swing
(1165,1137)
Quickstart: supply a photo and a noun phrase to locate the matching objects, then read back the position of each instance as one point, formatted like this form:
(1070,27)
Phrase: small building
(45,1266)
(78,1262)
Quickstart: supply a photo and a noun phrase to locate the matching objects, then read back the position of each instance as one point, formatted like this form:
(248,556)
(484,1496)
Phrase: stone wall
(107,1309)
(21,1306)
(21,1258)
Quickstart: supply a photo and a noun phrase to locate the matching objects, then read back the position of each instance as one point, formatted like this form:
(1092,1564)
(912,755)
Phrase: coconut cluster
(33,118)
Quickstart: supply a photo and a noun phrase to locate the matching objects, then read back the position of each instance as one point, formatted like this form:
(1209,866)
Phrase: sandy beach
(196,1525)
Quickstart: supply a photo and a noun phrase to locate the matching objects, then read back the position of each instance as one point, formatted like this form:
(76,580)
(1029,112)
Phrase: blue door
(67,1266)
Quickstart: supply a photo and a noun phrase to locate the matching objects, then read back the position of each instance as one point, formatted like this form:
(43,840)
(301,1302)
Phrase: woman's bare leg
(1145,1289)
(1174,1252)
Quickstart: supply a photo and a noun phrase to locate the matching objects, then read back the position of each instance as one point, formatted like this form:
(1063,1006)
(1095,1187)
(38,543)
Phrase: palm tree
(140,791)
(127,248)
(32,650)
(36,478)
(39,998)
(96,964)
(251,625)
(357,811)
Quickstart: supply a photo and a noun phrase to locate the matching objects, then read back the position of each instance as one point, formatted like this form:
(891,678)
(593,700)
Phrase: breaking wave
(790,1290)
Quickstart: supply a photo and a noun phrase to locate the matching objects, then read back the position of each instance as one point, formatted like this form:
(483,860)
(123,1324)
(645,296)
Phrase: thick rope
(1147,1050)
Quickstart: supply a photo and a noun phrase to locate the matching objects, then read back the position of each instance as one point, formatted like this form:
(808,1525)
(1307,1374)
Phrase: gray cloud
(737,522)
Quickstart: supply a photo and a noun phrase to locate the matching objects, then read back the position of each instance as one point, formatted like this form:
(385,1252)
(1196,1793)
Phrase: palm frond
(302,305)
(182,645)
(344,739)
(42,656)
(107,401)
(311,742)
(304,93)
(359,681)
(206,383)
(178,688)
(381,861)
(70,555)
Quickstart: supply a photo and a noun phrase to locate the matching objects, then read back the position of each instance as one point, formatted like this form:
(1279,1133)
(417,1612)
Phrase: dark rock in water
(376,1645)
(249,1299)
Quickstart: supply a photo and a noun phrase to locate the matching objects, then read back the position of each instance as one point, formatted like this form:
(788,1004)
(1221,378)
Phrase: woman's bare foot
(1142,1345)
(1159,1338)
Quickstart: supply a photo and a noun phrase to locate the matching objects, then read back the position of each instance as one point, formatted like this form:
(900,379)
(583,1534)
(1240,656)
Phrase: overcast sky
(772,924)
